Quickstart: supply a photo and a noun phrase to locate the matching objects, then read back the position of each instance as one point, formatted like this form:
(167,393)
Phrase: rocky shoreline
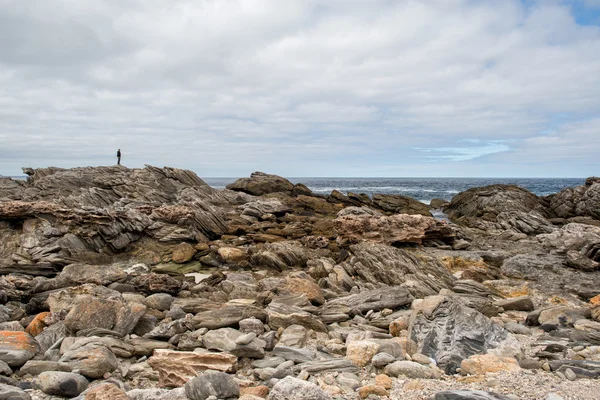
(146,284)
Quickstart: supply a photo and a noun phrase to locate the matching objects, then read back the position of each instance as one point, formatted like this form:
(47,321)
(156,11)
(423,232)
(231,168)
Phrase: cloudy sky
(303,87)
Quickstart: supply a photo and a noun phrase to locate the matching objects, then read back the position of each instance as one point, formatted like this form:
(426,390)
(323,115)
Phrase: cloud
(299,87)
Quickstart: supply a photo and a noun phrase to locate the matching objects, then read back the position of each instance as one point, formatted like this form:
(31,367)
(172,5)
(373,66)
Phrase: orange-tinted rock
(106,392)
(16,348)
(481,364)
(183,253)
(36,326)
(310,289)
(258,391)
(368,390)
(399,325)
(595,301)
(383,380)
(175,368)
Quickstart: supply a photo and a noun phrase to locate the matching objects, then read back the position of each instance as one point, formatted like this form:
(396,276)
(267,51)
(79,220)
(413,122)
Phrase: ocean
(422,189)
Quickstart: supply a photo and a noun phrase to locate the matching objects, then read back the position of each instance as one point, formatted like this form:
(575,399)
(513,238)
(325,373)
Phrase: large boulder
(64,384)
(578,201)
(448,331)
(91,357)
(488,202)
(393,230)
(9,392)
(397,204)
(259,184)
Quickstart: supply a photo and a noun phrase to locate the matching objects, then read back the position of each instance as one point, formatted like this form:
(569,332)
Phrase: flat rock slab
(175,368)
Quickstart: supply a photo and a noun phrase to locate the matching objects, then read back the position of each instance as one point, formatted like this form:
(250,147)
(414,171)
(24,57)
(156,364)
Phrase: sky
(349,88)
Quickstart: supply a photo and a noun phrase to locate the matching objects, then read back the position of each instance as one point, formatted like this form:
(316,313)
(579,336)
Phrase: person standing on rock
(119,157)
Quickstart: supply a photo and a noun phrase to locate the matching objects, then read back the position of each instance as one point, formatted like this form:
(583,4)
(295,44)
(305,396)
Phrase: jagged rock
(228,315)
(294,336)
(449,332)
(323,366)
(577,201)
(290,388)
(578,237)
(312,291)
(282,316)
(175,368)
(438,204)
(226,340)
(258,208)
(387,297)
(156,283)
(113,314)
(281,256)
(92,215)
(259,184)
(9,392)
(395,203)
(359,211)
(529,223)
(212,383)
(488,202)
(16,348)
(65,384)
(392,230)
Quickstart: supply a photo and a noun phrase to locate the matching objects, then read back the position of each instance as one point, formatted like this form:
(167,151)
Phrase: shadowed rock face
(259,184)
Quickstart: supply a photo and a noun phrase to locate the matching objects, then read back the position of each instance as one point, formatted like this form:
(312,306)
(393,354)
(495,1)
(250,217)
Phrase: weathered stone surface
(293,336)
(156,283)
(398,204)
(489,201)
(521,303)
(105,392)
(377,299)
(78,274)
(8,392)
(36,367)
(183,253)
(65,384)
(282,316)
(449,332)
(393,230)
(361,352)
(212,383)
(228,315)
(281,256)
(226,339)
(17,347)
(481,364)
(411,370)
(290,388)
(312,291)
(91,358)
(112,314)
(577,201)
(259,184)
(159,301)
(157,394)
(175,368)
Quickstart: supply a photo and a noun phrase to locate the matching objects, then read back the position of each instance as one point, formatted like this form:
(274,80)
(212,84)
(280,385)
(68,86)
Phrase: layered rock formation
(149,284)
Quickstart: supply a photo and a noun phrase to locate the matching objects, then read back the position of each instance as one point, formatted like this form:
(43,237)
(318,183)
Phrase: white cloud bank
(301,88)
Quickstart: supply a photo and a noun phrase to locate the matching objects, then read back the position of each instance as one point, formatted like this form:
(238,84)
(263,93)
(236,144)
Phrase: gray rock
(521,303)
(252,325)
(159,301)
(411,370)
(212,383)
(36,367)
(17,347)
(245,338)
(469,395)
(348,380)
(447,331)
(380,360)
(331,365)
(91,358)
(570,374)
(290,388)
(295,354)
(513,327)
(225,339)
(282,315)
(293,336)
(157,394)
(259,184)
(268,362)
(554,396)
(8,392)
(5,369)
(65,384)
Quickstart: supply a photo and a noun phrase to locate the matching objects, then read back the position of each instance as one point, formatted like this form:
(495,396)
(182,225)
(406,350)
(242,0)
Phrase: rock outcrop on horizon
(149,284)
